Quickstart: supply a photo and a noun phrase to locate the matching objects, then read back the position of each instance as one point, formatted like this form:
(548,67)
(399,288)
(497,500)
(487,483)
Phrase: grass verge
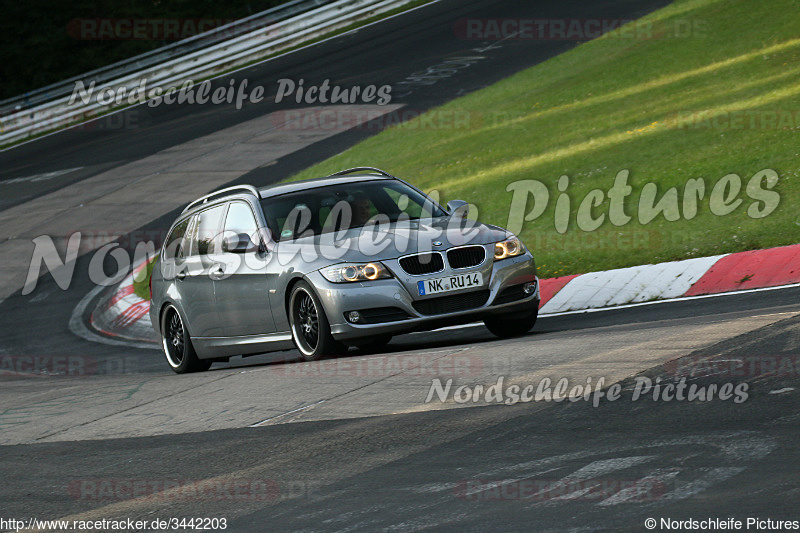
(141,288)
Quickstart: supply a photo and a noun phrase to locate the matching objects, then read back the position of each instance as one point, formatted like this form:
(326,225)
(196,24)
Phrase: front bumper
(341,298)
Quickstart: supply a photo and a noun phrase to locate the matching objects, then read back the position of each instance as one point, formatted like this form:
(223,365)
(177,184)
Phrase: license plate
(449,283)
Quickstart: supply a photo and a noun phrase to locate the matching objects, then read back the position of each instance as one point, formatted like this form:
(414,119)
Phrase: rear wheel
(177,345)
(506,326)
(311,331)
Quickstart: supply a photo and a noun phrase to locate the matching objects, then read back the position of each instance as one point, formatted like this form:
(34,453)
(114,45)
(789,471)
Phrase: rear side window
(173,248)
(207,233)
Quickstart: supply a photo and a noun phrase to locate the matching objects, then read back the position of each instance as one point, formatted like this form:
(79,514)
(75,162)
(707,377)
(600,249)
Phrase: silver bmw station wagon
(321,265)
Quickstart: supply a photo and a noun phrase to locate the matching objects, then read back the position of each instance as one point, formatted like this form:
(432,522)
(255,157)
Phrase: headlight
(508,248)
(355,272)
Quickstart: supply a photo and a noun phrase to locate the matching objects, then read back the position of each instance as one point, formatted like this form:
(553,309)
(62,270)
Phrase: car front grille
(451,303)
(465,257)
(419,264)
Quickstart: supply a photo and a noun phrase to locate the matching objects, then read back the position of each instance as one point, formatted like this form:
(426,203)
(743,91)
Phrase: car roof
(235,191)
(294,186)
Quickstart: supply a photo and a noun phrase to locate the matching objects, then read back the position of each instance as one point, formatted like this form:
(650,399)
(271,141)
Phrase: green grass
(141,287)
(612,104)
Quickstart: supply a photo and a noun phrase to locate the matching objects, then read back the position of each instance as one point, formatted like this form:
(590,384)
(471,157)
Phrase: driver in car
(360,208)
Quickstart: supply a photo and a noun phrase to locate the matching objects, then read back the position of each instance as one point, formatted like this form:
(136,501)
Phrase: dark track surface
(408,472)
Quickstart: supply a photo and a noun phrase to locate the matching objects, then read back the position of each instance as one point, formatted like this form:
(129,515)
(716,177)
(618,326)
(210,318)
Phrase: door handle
(219,272)
(180,275)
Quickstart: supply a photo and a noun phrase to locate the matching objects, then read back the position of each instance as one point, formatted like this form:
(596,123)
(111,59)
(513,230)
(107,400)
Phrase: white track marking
(606,466)
(634,494)
(596,469)
(259,424)
(42,296)
(712,477)
(39,177)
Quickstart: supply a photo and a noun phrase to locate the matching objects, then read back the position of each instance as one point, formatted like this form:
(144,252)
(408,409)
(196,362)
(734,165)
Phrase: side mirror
(458,208)
(239,244)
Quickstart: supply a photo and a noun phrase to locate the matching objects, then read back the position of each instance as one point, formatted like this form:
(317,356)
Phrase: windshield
(347,205)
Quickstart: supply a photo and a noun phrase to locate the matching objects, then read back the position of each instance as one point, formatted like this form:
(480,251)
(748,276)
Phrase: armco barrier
(196,64)
(262,20)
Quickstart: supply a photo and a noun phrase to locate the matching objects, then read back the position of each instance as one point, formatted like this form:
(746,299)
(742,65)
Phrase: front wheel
(505,326)
(311,331)
(177,345)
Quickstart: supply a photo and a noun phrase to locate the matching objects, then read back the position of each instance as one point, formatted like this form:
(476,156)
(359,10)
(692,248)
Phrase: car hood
(390,241)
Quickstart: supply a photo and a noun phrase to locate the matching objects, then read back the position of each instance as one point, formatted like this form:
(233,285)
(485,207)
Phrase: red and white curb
(772,267)
(124,315)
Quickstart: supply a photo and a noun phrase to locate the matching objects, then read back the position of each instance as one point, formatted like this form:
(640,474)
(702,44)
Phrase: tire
(504,326)
(369,344)
(311,331)
(177,344)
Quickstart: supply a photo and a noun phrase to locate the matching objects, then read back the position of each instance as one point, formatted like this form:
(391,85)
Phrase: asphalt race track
(332,458)
(350,444)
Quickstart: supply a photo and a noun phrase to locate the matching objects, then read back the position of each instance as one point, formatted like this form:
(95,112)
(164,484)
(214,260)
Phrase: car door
(242,289)
(195,281)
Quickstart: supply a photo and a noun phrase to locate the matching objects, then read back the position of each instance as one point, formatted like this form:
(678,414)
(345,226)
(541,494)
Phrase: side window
(206,235)
(173,247)
(240,219)
(189,241)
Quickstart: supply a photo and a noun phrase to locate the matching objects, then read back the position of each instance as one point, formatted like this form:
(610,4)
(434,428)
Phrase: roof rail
(361,169)
(222,192)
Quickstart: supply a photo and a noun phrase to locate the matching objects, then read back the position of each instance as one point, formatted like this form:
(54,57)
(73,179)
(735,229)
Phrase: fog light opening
(529,288)
(354,316)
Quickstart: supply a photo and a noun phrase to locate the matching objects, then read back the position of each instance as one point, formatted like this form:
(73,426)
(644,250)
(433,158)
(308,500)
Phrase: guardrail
(193,58)
(153,57)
